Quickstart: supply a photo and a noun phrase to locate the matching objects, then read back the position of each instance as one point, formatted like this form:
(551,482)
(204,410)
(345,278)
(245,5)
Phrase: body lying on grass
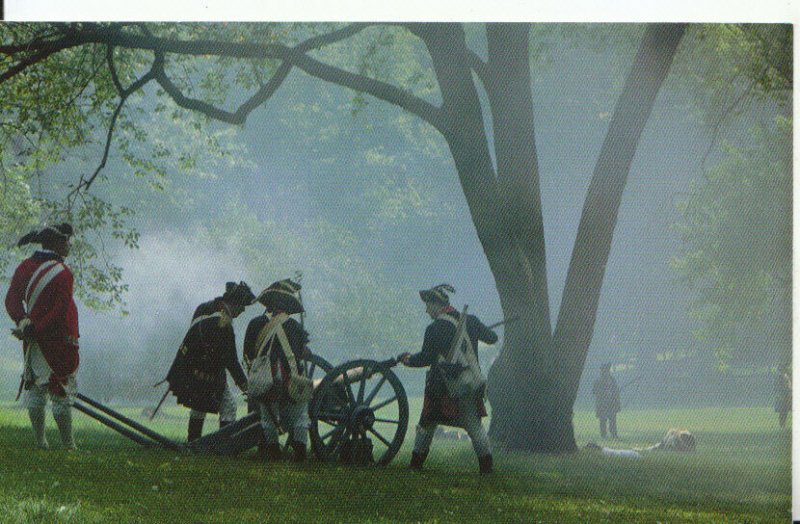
(674,440)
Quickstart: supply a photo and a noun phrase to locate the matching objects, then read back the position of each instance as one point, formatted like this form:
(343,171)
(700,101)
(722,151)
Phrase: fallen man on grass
(674,440)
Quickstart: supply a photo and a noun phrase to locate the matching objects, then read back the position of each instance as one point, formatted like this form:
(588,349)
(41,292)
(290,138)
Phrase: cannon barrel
(119,428)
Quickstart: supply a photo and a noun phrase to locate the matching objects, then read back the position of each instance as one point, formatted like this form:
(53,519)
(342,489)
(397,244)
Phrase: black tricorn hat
(437,294)
(282,295)
(238,294)
(47,234)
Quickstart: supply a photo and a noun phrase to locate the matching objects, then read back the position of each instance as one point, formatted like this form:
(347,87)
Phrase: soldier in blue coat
(439,405)
(282,339)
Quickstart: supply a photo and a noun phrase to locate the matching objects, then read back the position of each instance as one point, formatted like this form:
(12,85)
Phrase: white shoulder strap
(287,351)
(456,355)
(275,328)
(461,336)
(201,318)
(268,331)
(43,275)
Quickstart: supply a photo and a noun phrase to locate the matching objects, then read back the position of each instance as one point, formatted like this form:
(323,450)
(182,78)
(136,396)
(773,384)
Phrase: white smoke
(168,277)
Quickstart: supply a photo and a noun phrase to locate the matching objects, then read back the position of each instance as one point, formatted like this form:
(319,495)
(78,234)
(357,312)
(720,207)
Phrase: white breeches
(37,396)
(36,368)
(292,416)
(469,420)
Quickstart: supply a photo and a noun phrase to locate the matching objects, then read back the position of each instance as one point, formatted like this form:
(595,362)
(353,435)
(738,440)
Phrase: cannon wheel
(351,405)
(316,365)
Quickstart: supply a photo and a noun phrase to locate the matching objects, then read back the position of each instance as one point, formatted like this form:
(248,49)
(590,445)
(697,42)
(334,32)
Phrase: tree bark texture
(533,383)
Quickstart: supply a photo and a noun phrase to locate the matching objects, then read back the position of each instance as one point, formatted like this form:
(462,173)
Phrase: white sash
(48,271)
(36,368)
(460,354)
(201,318)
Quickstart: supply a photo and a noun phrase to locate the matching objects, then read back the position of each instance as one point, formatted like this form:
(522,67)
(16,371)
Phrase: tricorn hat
(437,294)
(47,234)
(282,295)
(238,294)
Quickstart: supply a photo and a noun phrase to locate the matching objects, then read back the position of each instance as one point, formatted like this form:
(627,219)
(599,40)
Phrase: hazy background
(367,205)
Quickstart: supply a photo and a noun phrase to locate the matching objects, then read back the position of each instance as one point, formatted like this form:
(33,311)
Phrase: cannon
(358,414)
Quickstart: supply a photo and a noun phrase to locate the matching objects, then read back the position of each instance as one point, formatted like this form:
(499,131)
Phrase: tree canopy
(465,92)
(737,219)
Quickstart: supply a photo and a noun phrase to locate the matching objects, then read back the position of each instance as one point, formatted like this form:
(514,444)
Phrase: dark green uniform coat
(197,376)
(438,407)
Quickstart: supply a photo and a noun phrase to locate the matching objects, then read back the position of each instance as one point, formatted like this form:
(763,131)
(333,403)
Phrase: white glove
(24,329)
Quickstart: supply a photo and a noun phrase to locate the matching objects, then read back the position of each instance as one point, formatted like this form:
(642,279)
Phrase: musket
(27,357)
(163,398)
(298,277)
(19,389)
(505,321)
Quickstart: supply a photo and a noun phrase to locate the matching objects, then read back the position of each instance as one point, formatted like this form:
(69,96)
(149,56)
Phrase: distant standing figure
(783,396)
(40,303)
(197,376)
(439,406)
(606,401)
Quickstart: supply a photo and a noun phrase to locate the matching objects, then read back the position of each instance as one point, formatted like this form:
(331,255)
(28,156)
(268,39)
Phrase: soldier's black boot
(195,428)
(417,460)
(273,452)
(485,464)
(299,451)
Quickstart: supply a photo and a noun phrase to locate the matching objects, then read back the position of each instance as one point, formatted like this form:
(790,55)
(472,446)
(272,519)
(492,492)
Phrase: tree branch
(381,90)
(319,41)
(124,93)
(294,56)
(480,68)
(724,115)
(112,69)
(25,63)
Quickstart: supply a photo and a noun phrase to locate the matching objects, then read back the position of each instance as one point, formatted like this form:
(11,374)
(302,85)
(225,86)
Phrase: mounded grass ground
(741,472)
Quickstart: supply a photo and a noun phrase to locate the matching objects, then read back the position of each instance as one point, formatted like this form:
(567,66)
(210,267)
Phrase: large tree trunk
(575,324)
(506,211)
(519,389)
(534,381)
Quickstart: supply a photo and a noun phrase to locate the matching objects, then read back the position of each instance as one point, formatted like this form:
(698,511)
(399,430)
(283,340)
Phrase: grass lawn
(741,472)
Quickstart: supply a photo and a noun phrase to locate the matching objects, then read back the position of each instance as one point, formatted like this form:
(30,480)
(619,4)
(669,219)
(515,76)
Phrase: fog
(362,298)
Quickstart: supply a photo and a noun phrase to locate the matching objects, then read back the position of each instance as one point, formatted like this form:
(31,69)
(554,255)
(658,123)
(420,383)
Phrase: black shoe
(273,452)
(299,451)
(195,428)
(485,464)
(417,460)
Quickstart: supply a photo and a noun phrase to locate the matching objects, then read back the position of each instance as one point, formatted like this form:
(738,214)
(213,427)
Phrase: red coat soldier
(40,302)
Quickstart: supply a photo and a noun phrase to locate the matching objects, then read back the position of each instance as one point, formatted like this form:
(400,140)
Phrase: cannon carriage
(358,414)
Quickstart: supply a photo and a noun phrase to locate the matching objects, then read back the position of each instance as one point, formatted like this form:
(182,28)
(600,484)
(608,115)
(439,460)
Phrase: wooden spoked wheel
(359,413)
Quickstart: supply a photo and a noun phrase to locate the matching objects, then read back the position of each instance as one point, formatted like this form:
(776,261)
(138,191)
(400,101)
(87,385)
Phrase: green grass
(741,472)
